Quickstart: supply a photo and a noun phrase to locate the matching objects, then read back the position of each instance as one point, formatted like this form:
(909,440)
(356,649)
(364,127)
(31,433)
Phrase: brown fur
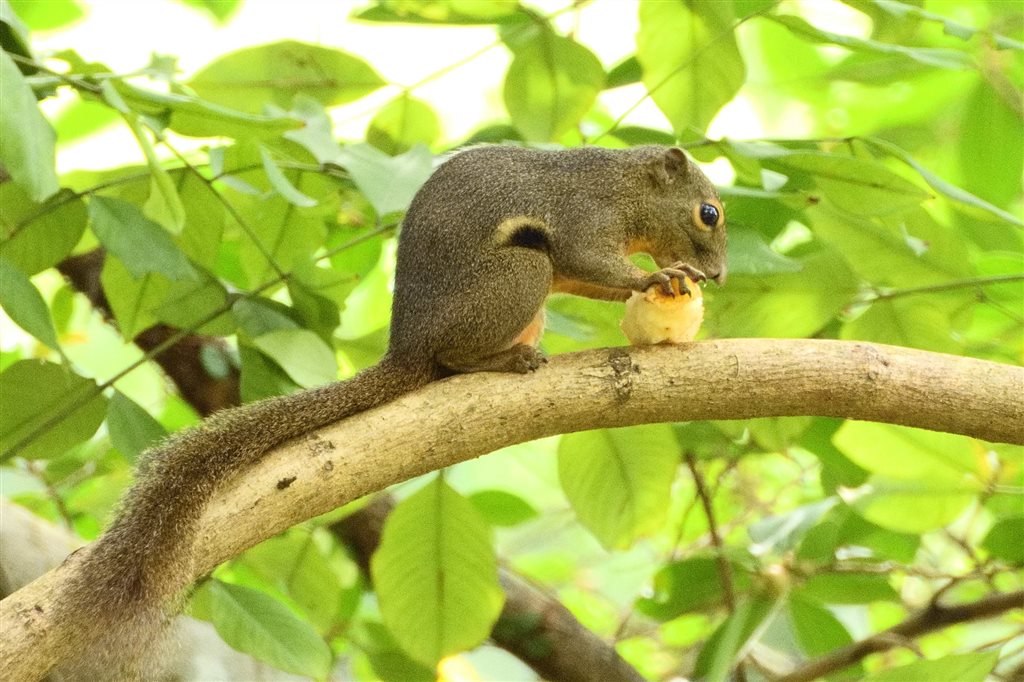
(489,235)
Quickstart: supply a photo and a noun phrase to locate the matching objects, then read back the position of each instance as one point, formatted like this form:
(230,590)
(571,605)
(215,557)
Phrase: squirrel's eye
(708,215)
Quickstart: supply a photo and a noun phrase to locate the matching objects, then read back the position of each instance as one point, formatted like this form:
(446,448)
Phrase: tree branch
(933,617)
(555,644)
(468,416)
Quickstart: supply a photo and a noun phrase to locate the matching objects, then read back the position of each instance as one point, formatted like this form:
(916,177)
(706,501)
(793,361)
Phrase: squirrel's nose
(719,276)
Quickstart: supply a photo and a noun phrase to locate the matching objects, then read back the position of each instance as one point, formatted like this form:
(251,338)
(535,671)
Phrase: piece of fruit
(656,317)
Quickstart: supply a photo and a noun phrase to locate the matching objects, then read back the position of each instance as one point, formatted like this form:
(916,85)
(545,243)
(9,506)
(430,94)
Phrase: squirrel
(488,237)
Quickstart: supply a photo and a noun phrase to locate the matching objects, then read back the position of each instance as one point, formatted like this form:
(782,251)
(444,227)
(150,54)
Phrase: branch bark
(468,416)
(933,617)
(534,626)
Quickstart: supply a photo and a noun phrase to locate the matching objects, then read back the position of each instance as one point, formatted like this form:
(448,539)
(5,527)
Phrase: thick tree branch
(933,617)
(468,416)
(534,627)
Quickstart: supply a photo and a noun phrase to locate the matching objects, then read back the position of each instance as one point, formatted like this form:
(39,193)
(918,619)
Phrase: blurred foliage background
(180,236)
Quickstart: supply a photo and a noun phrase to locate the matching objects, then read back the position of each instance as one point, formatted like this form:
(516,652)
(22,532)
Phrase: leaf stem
(945,286)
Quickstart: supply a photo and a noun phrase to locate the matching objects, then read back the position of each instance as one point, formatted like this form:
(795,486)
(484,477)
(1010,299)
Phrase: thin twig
(933,617)
(246,227)
(946,286)
(724,569)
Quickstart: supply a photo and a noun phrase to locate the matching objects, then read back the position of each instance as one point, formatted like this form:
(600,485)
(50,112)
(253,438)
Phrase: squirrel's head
(687,215)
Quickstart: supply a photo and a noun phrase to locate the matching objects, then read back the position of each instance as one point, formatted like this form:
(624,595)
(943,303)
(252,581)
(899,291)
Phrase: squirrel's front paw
(677,271)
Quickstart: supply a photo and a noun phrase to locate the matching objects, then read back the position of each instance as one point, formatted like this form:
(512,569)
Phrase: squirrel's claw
(691,272)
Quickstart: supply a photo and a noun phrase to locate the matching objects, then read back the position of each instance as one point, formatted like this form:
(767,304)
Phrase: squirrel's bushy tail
(130,583)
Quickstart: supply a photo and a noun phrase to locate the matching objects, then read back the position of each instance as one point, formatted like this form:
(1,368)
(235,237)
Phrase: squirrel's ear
(670,165)
(675,161)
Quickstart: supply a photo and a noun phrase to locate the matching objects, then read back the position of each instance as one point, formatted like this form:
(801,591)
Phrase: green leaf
(551,83)
(204,221)
(1004,540)
(576,323)
(991,147)
(843,530)
(618,480)
(911,322)
(142,245)
(910,506)
(281,184)
(906,252)
(319,313)
(944,188)
(262,627)
(389,183)
(749,254)
(131,428)
(49,15)
(939,57)
(254,76)
(132,299)
(719,654)
(436,574)
(26,138)
(781,533)
(949,27)
(302,354)
(692,584)
(501,508)
(259,316)
(952,668)
(906,453)
(308,568)
(36,236)
(261,377)
(403,123)
(785,304)
(459,12)
(638,135)
(24,305)
(82,118)
(220,10)
(386,657)
(195,117)
(837,469)
(626,72)
(861,186)
(163,205)
(31,392)
(848,588)
(287,235)
(816,629)
(186,305)
(691,63)
(14,36)
(317,137)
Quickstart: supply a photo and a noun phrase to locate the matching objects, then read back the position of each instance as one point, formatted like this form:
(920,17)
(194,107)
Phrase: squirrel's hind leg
(520,358)
(500,318)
